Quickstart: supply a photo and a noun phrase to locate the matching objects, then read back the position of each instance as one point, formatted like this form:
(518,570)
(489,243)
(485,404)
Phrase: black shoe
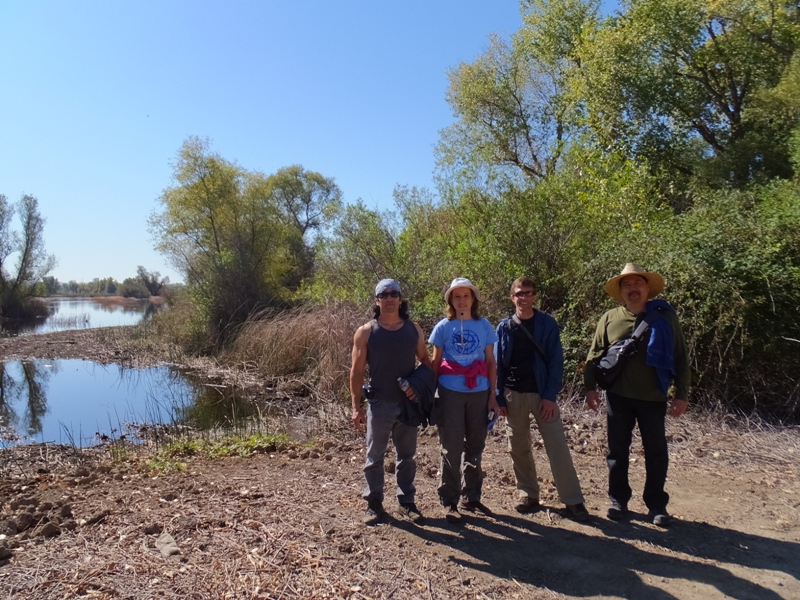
(578,512)
(409,510)
(374,513)
(527,505)
(660,518)
(616,511)
(476,506)
(451,514)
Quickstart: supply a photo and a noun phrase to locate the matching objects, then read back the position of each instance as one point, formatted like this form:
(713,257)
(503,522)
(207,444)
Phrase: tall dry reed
(312,343)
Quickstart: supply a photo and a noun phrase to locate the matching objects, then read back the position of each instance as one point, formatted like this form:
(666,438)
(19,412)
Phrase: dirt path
(288,525)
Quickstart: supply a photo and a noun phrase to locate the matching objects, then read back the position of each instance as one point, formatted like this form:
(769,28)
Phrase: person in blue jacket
(530,368)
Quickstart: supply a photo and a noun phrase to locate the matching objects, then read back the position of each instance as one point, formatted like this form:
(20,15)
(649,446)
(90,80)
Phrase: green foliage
(238,236)
(18,288)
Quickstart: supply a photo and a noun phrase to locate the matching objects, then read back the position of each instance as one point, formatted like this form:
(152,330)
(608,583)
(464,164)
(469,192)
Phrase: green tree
(238,236)
(18,287)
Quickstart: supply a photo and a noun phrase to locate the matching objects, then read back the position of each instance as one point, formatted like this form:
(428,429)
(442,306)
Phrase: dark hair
(475,311)
(524,282)
(402,311)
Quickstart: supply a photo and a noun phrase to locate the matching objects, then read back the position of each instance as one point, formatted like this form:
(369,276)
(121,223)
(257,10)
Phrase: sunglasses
(385,295)
(525,294)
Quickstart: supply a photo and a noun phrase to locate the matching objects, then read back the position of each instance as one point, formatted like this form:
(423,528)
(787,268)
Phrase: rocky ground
(287,524)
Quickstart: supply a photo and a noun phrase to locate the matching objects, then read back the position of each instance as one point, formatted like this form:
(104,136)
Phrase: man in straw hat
(388,345)
(639,394)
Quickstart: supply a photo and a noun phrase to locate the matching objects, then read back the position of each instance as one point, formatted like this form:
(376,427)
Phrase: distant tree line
(144,285)
(667,134)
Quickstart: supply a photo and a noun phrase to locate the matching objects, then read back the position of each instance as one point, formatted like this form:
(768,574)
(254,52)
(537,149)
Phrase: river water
(82,403)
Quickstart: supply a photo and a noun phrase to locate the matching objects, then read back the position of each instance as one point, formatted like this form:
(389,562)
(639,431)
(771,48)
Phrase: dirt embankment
(288,524)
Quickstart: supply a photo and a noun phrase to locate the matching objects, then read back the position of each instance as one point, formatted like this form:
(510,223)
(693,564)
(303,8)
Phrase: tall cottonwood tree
(32,264)
(238,236)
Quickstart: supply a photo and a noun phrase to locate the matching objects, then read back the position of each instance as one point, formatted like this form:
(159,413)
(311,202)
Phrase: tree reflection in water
(29,390)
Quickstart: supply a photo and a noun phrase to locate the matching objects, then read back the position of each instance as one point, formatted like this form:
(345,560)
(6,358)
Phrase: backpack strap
(642,328)
(538,348)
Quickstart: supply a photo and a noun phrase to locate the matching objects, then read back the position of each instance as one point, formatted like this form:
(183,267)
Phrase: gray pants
(462,432)
(520,407)
(382,424)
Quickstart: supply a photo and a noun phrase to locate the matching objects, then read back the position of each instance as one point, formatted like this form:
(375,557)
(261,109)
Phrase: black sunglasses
(385,295)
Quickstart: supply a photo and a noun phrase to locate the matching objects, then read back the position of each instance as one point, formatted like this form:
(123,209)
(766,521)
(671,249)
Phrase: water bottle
(403,383)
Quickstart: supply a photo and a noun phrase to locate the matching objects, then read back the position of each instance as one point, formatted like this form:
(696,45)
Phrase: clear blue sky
(97,96)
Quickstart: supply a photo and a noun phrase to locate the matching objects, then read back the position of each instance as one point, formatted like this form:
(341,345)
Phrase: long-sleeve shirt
(637,380)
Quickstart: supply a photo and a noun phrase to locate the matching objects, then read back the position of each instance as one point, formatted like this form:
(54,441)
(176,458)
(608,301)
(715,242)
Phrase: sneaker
(578,512)
(616,511)
(374,512)
(660,518)
(451,514)
(476,506)
(527,505)
(409,510)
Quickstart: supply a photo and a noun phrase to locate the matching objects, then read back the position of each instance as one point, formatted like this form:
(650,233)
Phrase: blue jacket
(549,375)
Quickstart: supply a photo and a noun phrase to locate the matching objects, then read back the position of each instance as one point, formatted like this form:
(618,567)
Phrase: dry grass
(312,344)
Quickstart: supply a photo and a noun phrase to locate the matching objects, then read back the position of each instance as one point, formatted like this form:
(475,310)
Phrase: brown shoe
(374,513)
(451,514)
(578,512)
(527,505)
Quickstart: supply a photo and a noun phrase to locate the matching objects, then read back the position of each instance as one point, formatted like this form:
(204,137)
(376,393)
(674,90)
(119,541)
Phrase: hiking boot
(374,512)
(451,514)
(578,512)
(660,518)
(527,505)
(616,511)
(409,510)
(476,506)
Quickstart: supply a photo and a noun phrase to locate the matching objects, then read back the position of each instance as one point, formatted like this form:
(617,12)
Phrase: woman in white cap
(463,358)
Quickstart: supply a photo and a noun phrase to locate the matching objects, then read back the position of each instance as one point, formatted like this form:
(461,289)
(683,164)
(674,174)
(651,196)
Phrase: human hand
(675,408)
(359,418)
(593,399)
(410,394)
(548,410)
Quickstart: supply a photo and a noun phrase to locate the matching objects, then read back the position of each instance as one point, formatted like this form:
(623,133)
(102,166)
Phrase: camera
(367,391)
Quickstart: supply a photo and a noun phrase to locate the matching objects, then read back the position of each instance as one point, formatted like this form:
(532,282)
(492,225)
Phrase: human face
(523,298)
(634,290)
(461,299)
(389,301)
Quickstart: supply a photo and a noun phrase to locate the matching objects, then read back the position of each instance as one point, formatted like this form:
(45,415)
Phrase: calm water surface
(76,402)
(81,313)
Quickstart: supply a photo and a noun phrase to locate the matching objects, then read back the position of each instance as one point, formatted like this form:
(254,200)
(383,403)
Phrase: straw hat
(462,282)
(655,282)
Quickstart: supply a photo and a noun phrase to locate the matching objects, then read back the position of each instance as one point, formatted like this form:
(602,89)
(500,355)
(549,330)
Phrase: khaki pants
(520,407)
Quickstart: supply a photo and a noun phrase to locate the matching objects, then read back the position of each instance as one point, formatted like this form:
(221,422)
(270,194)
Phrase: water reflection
(79,402)
(82,313)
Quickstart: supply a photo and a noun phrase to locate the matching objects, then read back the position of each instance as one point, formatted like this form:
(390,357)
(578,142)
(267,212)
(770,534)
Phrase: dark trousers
(623,414)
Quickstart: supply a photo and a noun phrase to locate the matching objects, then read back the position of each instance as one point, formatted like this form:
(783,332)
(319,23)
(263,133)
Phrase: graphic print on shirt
(465,341)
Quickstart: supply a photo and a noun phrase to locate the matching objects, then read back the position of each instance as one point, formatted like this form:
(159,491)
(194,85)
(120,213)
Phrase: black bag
(611,364)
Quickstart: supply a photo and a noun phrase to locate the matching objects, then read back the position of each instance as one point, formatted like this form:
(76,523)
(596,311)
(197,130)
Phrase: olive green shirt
(637,380)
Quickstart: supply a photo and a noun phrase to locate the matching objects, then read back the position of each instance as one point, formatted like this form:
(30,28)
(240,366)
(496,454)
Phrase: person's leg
(380,419)
(555,444)
(405,446)
(651,417)
(518,428)
(621,420)
(475,417)
(451,437)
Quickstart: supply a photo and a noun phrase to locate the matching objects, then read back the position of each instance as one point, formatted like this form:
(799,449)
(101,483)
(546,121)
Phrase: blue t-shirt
(463,342)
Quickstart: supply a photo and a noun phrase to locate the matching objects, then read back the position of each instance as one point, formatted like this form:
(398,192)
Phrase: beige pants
(520,407)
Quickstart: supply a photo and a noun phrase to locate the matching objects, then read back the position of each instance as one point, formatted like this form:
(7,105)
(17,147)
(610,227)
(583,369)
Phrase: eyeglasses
(525,294)
(385,295)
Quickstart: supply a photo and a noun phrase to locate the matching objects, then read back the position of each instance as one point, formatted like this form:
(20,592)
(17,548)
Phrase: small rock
(167,545)
(327,445)
(69,525)
(4,552)
(65,511)
(153,529)
(24,520)
(82,472)
(45,506)
(49,530)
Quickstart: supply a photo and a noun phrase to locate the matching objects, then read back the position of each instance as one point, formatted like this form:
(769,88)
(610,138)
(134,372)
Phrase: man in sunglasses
(530,367)
(389,345)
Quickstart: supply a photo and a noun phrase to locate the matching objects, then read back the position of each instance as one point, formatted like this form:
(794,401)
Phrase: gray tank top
(391,354)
